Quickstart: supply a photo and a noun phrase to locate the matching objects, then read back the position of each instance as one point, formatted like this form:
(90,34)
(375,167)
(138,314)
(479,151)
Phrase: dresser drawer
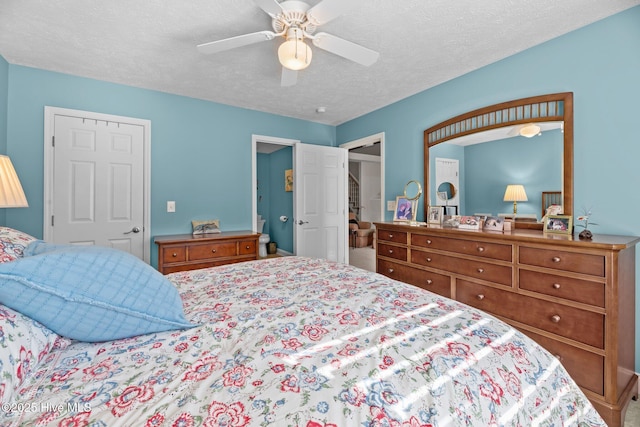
(246,247)
(567,261)
(174,254)
(391,251)
(580,325)
(586,368)
(392,236)
(568,288)
(213,250)
(436,283)
(466,247)
(480,270)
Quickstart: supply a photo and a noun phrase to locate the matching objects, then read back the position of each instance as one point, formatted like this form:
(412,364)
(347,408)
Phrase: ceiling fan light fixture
(294,53)
(530,130)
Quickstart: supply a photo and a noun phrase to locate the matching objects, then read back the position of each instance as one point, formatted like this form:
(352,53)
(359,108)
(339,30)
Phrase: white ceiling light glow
(294,54)
(530,130)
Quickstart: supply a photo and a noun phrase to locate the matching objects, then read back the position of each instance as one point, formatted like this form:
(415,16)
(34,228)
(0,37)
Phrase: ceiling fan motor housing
(294,14)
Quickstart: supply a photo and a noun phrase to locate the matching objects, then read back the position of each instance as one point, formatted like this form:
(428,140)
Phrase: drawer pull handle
(174,255)
(555,318)
(428,242)
(390,236)
(390,251)
(480,297)
(429,281)
(559,357)
(481,270)
(480,249)
(556,286)
(555,259)
(247,247)
(428,259)
(390,270)
(213,250)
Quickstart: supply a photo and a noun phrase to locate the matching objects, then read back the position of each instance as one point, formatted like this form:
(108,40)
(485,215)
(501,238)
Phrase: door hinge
(53,141)
(52,220)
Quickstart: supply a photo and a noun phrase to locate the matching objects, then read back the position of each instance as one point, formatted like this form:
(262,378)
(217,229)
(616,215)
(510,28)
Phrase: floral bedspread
(301,342)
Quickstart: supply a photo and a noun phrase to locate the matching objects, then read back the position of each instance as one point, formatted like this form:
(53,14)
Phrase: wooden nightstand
(182,252)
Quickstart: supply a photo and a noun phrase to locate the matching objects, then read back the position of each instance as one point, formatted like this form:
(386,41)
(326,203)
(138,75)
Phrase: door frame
(49,131)
(367,140)
(255,139)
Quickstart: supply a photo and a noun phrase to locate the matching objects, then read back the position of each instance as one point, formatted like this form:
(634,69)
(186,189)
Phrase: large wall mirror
(470,159)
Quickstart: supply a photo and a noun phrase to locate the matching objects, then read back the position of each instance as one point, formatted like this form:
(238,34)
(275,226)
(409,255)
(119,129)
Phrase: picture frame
(493,223)
(558,224)
(288,180)
(470,222)
(435,214)
(210,226)
(406,210)
(451,210)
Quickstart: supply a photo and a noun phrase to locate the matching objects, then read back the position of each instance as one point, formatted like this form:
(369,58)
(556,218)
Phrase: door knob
(133,230)
(300,222)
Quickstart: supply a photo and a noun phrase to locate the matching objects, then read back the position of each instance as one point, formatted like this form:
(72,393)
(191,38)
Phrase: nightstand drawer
(478,269)
(174,254)
(466,247)
(391,251)
(568,288)
(392,236)
(213,250)
(560,260)
(247,247)
(436,283)
(581,325)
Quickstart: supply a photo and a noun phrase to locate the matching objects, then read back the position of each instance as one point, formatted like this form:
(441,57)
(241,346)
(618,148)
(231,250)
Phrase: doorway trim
(49,132)
(368,140)
(255,139)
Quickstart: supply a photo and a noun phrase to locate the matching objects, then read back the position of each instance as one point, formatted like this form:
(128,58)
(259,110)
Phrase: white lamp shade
(294,54)
(11,193)
(515,193)
(530,130)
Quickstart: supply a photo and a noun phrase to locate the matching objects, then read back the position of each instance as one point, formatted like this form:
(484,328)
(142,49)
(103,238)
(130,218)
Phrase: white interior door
(98,183)
(320,207)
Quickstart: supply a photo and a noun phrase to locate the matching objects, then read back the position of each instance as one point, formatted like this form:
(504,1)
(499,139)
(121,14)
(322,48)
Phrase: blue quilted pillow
(90,293)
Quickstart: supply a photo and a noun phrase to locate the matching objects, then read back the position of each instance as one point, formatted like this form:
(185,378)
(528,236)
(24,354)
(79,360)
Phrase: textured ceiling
(152,44)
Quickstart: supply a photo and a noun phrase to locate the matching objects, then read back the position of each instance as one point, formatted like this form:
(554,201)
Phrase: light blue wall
(599,63)
(200,151)
(4,91)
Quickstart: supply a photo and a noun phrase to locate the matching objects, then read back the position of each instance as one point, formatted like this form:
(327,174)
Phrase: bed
(288,341)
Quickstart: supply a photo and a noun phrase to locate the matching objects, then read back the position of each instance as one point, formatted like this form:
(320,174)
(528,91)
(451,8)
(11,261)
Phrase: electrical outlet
(171,206)
(391,205)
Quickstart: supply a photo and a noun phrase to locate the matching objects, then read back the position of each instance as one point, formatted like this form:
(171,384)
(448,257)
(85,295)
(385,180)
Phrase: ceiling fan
(296,22)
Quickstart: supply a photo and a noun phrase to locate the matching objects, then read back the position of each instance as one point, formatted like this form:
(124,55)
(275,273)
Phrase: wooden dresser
(187,252)
(576,298)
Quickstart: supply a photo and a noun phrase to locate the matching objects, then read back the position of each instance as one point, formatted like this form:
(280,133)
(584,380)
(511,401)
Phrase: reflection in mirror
(413,190)
(446,191)
(542,160)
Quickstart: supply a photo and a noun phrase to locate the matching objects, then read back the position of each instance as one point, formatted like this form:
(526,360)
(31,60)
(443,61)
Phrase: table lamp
(515,193)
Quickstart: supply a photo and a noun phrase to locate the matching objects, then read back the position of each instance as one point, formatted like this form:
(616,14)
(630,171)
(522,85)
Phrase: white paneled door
(320,215)
(98,182)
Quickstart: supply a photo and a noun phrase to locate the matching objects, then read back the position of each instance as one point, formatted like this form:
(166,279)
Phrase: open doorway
(366,197)
(271,156)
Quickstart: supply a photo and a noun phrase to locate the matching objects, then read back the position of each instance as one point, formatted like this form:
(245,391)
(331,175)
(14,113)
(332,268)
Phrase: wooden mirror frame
(541,108)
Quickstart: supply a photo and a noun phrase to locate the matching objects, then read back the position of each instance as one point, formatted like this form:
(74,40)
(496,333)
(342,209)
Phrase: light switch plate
(171,206)
(391,205)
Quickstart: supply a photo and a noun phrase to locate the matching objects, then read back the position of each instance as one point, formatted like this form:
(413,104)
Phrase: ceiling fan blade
(346,49)
(234,42)
(327,10)
(289,77)
(272,7)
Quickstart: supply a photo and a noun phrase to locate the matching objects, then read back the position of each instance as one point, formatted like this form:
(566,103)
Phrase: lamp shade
(294,54)
(515,193)
(11,193)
